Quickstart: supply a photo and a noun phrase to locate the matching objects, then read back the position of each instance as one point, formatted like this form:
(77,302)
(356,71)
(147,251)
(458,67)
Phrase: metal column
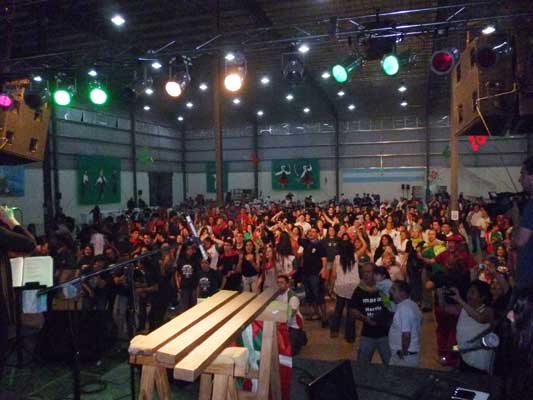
(55,168)
(217,128)
(255,160)
(133,151)
(183,164)
(337,158)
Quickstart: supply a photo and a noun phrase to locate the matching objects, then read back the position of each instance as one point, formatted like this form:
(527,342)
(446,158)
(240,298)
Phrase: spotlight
(180,118)
(486,57)
(173,89)
(341,71)
(443,61)
(351,107)
(307,110)
(156,65)
(62,97)
(38,78)
(92,73)
(118,20)
(265,80)
(402,88)
(303,48)
(236,101)
(326,75)
(189,105)
(289,97)
(293,68)
(146,108)
(488,30)
(235,68)
(404,103)
(97,94)
(149,91)
(260,113)
(391,63)
(203,87)
(340,93)
(5,101)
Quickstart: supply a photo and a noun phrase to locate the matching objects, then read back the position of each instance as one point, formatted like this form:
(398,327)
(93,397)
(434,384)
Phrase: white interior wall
(31,204)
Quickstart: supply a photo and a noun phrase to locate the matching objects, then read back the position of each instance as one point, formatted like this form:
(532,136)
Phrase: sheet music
(32,269)
(39,269)
(17,268)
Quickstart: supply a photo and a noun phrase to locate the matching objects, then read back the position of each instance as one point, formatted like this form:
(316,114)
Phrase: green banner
(98,180)
(296,174)
(211,177)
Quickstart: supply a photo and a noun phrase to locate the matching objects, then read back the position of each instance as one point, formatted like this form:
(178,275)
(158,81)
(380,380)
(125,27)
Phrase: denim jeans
(120,316)
(349,331)
(367,347)
(475,234)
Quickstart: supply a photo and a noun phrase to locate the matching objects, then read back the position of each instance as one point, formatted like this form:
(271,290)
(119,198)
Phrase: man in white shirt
(302,223)
(295,323)
(404,333)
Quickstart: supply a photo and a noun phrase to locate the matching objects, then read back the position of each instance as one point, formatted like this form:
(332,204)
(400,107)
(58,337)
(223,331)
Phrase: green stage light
(341,72)
(98,96)
(390,64)
(62,97)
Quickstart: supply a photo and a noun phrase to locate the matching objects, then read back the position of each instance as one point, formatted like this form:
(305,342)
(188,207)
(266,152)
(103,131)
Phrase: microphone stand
(76,370)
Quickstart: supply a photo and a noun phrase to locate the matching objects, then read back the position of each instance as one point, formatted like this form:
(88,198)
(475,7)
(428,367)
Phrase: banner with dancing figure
(98,180)
(211,177)
(301,174)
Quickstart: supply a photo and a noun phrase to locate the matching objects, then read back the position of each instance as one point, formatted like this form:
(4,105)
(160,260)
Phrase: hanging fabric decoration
(144,156)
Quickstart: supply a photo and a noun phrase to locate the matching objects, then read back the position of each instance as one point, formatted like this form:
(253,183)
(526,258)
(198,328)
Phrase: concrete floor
(321,347)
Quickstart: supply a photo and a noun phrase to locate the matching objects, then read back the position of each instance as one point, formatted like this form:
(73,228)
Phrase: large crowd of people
(378,262)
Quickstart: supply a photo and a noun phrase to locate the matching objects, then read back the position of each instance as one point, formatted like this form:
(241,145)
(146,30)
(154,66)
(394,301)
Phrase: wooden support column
(337,156)
(256,154)
(55,170)
(217,128)
(133,144)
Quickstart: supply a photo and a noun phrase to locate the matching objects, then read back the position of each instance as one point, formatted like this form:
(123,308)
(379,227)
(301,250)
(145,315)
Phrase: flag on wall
(211,177)
(296,174)
(12,180)
(98,180)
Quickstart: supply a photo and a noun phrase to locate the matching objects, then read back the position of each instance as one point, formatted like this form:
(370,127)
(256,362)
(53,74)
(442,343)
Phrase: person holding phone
(13,237)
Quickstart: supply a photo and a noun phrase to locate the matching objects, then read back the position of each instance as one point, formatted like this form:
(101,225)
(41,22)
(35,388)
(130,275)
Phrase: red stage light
(5,101)
(443,61)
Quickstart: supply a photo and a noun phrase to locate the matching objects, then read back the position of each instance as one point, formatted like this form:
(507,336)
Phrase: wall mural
(301,174)
(211,177)
(12,179)
(98,180)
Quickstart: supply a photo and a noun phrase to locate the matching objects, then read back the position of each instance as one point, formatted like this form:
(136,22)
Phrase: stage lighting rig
(235,71)
(342,71)
(293,68)
(391,63)
(177,82)
(443,61)
(64,92)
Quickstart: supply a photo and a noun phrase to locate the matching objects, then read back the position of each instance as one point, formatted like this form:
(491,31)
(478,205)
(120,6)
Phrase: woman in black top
(250,267)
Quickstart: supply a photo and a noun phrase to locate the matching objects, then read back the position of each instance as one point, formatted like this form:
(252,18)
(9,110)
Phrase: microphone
(490,341)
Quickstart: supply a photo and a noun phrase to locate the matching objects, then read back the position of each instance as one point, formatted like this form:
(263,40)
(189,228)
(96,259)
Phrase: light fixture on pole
(391,63)
(443,61)
(235,71)
(177,83)
(293,68)
(342,71)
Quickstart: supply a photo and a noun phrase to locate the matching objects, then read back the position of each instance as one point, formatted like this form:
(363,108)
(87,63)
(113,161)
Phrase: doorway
(160,189)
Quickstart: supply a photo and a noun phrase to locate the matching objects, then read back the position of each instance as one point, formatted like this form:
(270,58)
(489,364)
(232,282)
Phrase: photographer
(13,237)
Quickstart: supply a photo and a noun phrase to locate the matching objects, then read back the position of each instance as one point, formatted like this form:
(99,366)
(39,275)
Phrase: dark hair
(284,277)
(483,290)
(404,287)
(284,246)
(346,255)
(382,271)
(244,246)
(528,164)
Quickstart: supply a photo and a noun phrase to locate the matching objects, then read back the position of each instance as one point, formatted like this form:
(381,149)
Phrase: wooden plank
(206,387)
(276,311)
(149,344)
(161,384)
(265,363)
(275,382)
(198,359)
(146,390)
(220,387)
(176,349)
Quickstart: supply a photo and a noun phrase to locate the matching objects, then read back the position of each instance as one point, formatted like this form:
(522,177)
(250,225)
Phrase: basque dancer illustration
(101,182)
(307,177)
(283,176)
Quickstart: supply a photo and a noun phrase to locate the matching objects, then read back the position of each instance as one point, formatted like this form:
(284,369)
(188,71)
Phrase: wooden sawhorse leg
(269,364)
(154,376)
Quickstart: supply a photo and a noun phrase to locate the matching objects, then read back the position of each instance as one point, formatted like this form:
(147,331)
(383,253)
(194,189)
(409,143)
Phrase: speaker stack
(23,125)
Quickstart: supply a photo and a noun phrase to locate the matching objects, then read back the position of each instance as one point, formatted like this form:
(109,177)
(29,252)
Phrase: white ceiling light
(230,57)
(260,113)
(180,118)
(118,20)
(340,93)
(38,78)
(203,86)
(304,48)
(351,107)
(289,97)
(326,75)
(404,103)
(265,80)
(489,29)
(236,101)
(146,108)
(402,88)
(307,110)
(92,73)
(156,65)
(189,105)
(149,91)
